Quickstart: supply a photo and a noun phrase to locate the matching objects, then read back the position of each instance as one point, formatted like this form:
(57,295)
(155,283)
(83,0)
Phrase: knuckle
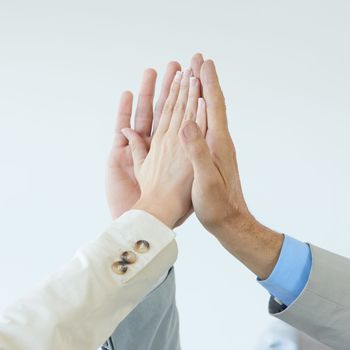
(190,112)
(157,138)
(180,107)
(174,88)
(168,108)
(157,108)
(198,151)
(184,85)
(190,116)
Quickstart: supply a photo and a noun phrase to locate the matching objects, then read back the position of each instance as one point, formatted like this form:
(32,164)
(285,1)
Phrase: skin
(217,195)
(122,188)
(187,161)
(165,175)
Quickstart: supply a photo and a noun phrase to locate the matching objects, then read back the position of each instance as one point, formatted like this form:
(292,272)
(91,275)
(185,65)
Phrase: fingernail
(178,76)
(193,82)
(201,102)
(187,73)
(190,131)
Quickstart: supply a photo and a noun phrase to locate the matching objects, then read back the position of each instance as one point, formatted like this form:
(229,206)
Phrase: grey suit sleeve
(323,308)
(153,324)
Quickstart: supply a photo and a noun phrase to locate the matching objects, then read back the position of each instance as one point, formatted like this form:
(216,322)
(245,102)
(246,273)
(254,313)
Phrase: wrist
(158,210)
(239,223)
(254,244)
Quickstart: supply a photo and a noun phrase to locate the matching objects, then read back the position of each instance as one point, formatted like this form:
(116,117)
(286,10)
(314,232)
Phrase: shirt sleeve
(80,305)
(291,273)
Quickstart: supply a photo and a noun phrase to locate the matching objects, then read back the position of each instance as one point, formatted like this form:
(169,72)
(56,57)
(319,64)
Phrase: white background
(284,67)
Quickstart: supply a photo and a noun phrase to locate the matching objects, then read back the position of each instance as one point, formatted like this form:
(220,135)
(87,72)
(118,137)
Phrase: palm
(121,185)
(122,188)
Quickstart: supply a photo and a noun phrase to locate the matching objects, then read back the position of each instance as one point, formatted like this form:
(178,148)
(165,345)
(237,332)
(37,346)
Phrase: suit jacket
(79,306)
(322,310)
(278,335)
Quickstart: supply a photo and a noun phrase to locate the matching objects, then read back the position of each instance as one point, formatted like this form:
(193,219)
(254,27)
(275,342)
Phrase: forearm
(80,305)
(255,245)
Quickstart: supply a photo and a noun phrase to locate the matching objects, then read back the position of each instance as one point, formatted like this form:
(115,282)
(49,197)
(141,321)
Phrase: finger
(169,75)
(169,104)
(192,102)
(123,118)
(197,151)
(196,64)
(214,98)
(144,109)
(201,117)
(137,145)
(180,106)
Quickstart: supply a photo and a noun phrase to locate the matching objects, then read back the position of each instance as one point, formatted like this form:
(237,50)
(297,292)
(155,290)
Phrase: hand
(121,185)
(217,195)
(164,174)
(122,188)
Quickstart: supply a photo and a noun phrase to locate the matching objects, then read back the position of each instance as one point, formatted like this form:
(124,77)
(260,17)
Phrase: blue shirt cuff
(291,273)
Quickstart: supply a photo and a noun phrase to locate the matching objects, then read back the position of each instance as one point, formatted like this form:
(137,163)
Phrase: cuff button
(129,257)
(142,246)
(119,267)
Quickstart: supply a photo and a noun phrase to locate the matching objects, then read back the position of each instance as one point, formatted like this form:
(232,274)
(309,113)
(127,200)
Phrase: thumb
(196,149)
(137,145)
